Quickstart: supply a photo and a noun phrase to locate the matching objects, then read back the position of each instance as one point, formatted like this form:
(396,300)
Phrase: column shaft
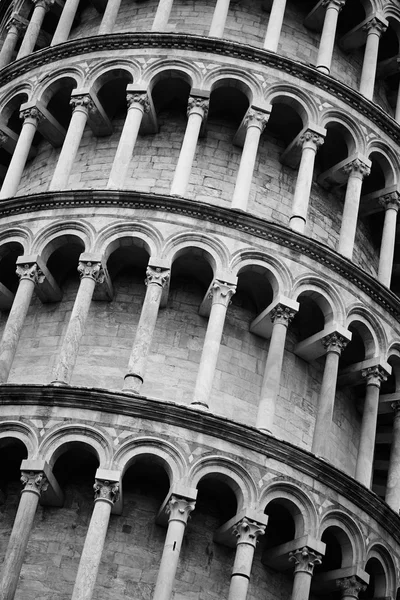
(357,171)
(305,560)
(33,29)
(247,533)
(156,279)
(16,167)
(137,105)
(397,110)
(390,203)
(275,25)
(327,41)
(65,22)
(162,15)
(221,296)
(374,29)
(70,147)
(14,28)
(109,17)
(393,478)
(219,18)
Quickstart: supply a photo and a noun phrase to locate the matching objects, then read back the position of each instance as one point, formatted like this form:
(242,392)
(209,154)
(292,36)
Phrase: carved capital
(46,4)
(16,23)
(179,508)
(375,27)
(142,99)
(30,271)
(93,270)
(357,168)
(82,102)
(351,586)
(256,118)
(157,276)
(374,375)
(311,139)
(31,113)
(282,314)
(3,139)
(196,103)
(391,200)
(337,4)
(247,531)
(106,490)
(221,292)
(334,343)
(34,481)
(395,406)
(305,560)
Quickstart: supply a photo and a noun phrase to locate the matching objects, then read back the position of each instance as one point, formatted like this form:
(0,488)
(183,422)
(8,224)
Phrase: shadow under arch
(348,534)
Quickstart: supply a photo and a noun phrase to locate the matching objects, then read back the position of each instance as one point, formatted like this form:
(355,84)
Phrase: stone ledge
(208,424)
(239,221)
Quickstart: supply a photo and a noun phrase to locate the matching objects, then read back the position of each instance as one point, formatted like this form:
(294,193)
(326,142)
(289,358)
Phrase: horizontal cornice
(208,424)
(237,220)
(140,41)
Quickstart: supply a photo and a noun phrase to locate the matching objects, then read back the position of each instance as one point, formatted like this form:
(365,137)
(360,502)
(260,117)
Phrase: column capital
(16,21)
(31,113)
(282,314)
(357,168)
(256,118)
(30,271)
(305,560)
(247,531)
(390,201)
(334,342)
(376,26)
(337,4)
(133,98)
(179,508)
(395,406)
(105,490)
(82,102)
(311,139)
(222,292)
(374,375)
(157,276)
(46,4)
(199,105)
(3,138)
(34,481)
(91,269)
(351,586)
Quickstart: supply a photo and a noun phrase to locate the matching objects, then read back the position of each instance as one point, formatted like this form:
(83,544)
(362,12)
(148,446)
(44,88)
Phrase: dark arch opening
(281,527)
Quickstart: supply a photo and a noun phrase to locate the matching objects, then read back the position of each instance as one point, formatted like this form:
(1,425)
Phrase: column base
(266,431)
(132,384)
(199,405)
(323,69)
(58,383)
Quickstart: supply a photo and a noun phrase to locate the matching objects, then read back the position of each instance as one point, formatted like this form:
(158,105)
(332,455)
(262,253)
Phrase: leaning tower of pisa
(199,295)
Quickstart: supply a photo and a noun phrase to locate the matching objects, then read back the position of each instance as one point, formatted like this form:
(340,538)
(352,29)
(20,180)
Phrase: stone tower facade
(199,294)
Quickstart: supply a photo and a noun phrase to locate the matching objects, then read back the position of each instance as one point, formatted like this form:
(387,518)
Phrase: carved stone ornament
(142,99)
(34,481)
(46,4)
(30,271)
(15,21)
(374,375)
(338,4)
(351,586)
(391,200)
(82,102)
(221,292)
(313,139)
(106,490)
(395,406)
(3,139)
(357,168)
(195,102)
(179,508)
(305,560)
(256,118)
(157,276)
(247,531)
(334,343)
(375,26)
(31,113)
(93,270)
(282,314)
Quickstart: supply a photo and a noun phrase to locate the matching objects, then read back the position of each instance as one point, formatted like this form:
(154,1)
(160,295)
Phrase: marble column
(32,117)
(247,533)
(219,18)
(106,494)
(138,104)
(14,29)
(255,122)
(274,28)
(29,275)
(397,109)
(374,377)
(281,316)
(390,203)
(393,478)
(34,483)
(333,344)
(326,44)
(109,17)
(81,104)
(91,273)
(65,22)
(197,112)
(310,141)
(351,587)
(305,560)
(156,280)
(356,170)
(179,510)
(35,24)
(162,15)
(221,294)
(374,28)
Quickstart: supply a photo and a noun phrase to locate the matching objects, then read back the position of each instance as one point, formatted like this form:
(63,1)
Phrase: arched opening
(387,70)
(281,527)
(10,128)
(338,555)
(377,587)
